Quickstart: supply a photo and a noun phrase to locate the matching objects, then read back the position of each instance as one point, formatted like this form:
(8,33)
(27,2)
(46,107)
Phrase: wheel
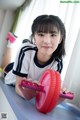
(56,94)
(43,99)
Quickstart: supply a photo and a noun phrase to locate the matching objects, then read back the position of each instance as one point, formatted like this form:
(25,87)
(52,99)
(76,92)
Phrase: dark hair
(46,23)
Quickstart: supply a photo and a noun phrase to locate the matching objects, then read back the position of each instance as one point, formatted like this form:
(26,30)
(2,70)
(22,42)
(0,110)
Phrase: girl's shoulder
(27,43)
(59,64)
(27,48)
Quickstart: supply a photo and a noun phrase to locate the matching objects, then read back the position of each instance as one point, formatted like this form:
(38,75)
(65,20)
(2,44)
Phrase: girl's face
(47,43)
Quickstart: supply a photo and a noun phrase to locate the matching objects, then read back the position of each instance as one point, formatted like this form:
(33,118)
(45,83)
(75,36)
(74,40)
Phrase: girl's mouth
(46,47)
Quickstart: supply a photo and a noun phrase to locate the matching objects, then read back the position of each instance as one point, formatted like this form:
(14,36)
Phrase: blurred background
(17,16)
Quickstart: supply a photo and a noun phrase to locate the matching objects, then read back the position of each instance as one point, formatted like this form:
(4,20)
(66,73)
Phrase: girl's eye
(40,34)
(53,35)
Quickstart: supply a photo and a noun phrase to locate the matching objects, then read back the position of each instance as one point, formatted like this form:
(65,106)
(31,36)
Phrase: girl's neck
(42,58)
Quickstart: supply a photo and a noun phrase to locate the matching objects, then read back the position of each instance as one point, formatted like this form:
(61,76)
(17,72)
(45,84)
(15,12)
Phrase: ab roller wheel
(48,91)
(46,101)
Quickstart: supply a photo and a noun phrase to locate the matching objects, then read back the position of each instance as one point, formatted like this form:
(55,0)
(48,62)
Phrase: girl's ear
(60,39)
(34,41)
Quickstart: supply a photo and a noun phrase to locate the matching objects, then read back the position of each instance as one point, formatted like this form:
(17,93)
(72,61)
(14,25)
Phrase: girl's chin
(44,53)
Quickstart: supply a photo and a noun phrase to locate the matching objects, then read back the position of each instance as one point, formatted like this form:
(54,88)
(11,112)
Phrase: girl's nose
(47,39)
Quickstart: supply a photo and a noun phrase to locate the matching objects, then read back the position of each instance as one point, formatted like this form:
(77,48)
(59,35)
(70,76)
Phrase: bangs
(47,26)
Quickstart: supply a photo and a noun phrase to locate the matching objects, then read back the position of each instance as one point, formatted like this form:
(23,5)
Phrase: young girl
(45,51)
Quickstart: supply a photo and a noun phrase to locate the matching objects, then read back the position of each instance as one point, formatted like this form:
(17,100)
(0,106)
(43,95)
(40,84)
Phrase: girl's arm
(22,91)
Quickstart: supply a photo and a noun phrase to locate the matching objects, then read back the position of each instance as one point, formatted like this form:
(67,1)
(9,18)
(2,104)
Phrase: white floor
(5,107)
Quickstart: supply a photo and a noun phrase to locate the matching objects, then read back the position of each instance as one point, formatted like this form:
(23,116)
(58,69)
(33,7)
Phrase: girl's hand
(64,90)
(27,92)
(60,98)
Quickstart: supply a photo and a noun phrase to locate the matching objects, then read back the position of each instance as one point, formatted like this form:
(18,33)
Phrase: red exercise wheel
(56,94)
(46,101)
(48,90)
(43,99)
